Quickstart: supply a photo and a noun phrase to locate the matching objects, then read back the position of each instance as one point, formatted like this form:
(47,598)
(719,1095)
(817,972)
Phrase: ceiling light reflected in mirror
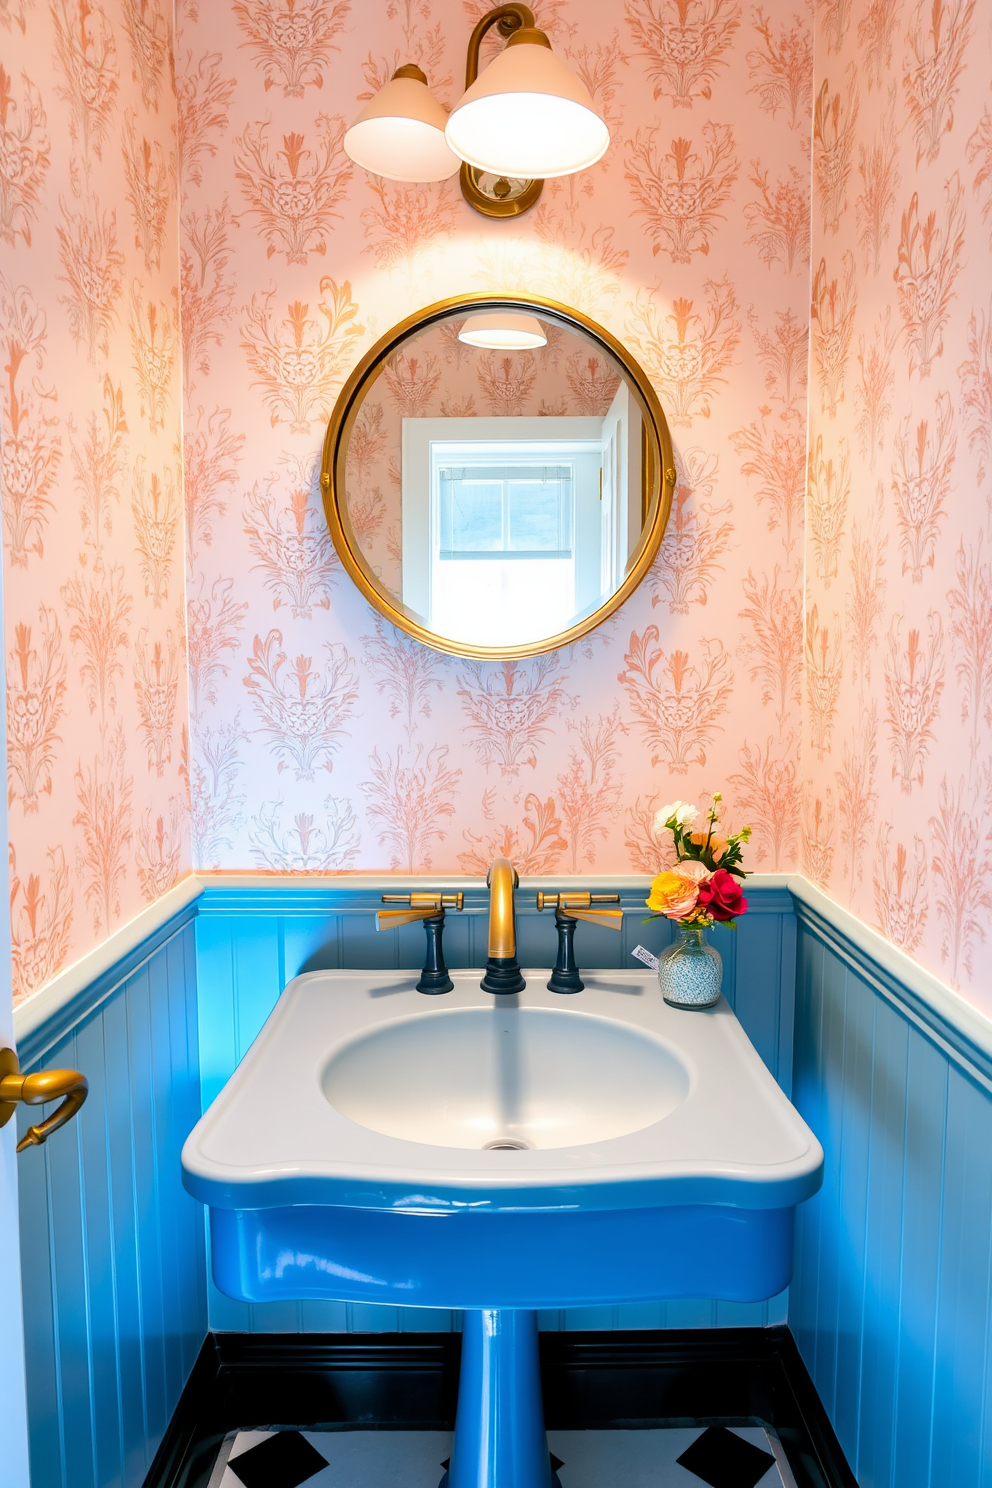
(505,330)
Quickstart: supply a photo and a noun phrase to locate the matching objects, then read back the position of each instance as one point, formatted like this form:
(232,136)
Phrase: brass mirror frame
(659,472)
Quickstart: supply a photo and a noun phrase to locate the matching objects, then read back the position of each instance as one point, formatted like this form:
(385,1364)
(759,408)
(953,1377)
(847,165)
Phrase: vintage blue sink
(499,1155)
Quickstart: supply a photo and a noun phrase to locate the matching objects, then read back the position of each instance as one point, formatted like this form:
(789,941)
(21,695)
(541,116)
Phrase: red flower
(721,896)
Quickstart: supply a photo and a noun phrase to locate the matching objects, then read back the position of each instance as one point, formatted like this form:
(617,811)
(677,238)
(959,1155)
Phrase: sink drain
(506,1144)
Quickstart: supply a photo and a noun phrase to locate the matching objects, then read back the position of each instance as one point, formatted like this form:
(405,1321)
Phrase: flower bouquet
(700,889)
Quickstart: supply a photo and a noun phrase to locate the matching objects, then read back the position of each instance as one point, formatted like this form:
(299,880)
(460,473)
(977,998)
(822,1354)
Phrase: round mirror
(497,475)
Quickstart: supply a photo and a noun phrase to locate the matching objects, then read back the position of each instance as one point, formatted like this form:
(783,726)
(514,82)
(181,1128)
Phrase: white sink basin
(505,1078)
(361,1091)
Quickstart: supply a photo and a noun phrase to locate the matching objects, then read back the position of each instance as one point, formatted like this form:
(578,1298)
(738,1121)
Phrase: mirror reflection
(494,478)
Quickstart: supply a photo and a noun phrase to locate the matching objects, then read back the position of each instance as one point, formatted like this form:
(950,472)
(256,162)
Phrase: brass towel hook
(35,1090)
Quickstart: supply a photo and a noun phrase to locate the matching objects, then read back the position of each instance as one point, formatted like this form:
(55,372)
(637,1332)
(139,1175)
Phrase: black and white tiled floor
(683,1457)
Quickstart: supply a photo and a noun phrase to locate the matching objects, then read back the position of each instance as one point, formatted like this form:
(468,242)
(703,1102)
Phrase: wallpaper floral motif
(90,472)
(897,796)
(322,739)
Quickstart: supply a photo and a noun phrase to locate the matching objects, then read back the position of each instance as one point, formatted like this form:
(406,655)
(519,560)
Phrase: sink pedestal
(499,1425)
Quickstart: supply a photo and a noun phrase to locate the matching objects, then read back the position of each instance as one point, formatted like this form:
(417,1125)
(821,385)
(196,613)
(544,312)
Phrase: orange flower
(718,845)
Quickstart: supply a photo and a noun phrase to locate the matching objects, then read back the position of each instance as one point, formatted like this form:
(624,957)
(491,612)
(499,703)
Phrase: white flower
(683,813)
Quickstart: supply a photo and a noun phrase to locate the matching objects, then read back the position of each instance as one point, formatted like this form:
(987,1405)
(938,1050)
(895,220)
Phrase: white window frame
(557,438)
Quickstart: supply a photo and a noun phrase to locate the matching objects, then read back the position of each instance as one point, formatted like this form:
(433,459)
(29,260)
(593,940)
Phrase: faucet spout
(502,970)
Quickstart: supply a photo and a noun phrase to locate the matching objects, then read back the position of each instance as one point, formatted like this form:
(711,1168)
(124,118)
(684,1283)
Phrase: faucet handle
(568,908)
(583,906)
(418,907)
(429,908)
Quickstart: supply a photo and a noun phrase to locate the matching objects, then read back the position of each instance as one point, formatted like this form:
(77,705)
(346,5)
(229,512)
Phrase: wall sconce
(400,132)
(525,118)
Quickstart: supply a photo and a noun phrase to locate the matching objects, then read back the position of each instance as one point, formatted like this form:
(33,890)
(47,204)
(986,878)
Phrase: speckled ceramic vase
(691,970)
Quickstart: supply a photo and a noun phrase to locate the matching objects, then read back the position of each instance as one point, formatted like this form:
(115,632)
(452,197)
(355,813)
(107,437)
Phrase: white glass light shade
(503,330)
(400,133)
(527,115)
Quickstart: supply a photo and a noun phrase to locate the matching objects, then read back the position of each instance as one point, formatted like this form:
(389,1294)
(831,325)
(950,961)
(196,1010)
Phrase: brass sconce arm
(500,198)
(506,19)
(35,1090)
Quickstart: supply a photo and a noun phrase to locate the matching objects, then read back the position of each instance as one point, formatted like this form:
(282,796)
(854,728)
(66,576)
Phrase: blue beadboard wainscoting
(891,1297)
(891,1300)
(252,939)
(112,1248)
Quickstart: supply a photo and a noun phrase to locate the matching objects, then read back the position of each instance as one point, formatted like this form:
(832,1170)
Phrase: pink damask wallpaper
(90,472)
(323,740)
(897,806)
(846,714)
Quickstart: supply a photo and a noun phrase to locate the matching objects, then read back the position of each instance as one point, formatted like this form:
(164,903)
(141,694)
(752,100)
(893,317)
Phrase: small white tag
(646,957)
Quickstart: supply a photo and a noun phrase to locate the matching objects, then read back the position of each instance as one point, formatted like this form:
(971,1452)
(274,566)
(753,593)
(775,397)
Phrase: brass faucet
(502,970)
